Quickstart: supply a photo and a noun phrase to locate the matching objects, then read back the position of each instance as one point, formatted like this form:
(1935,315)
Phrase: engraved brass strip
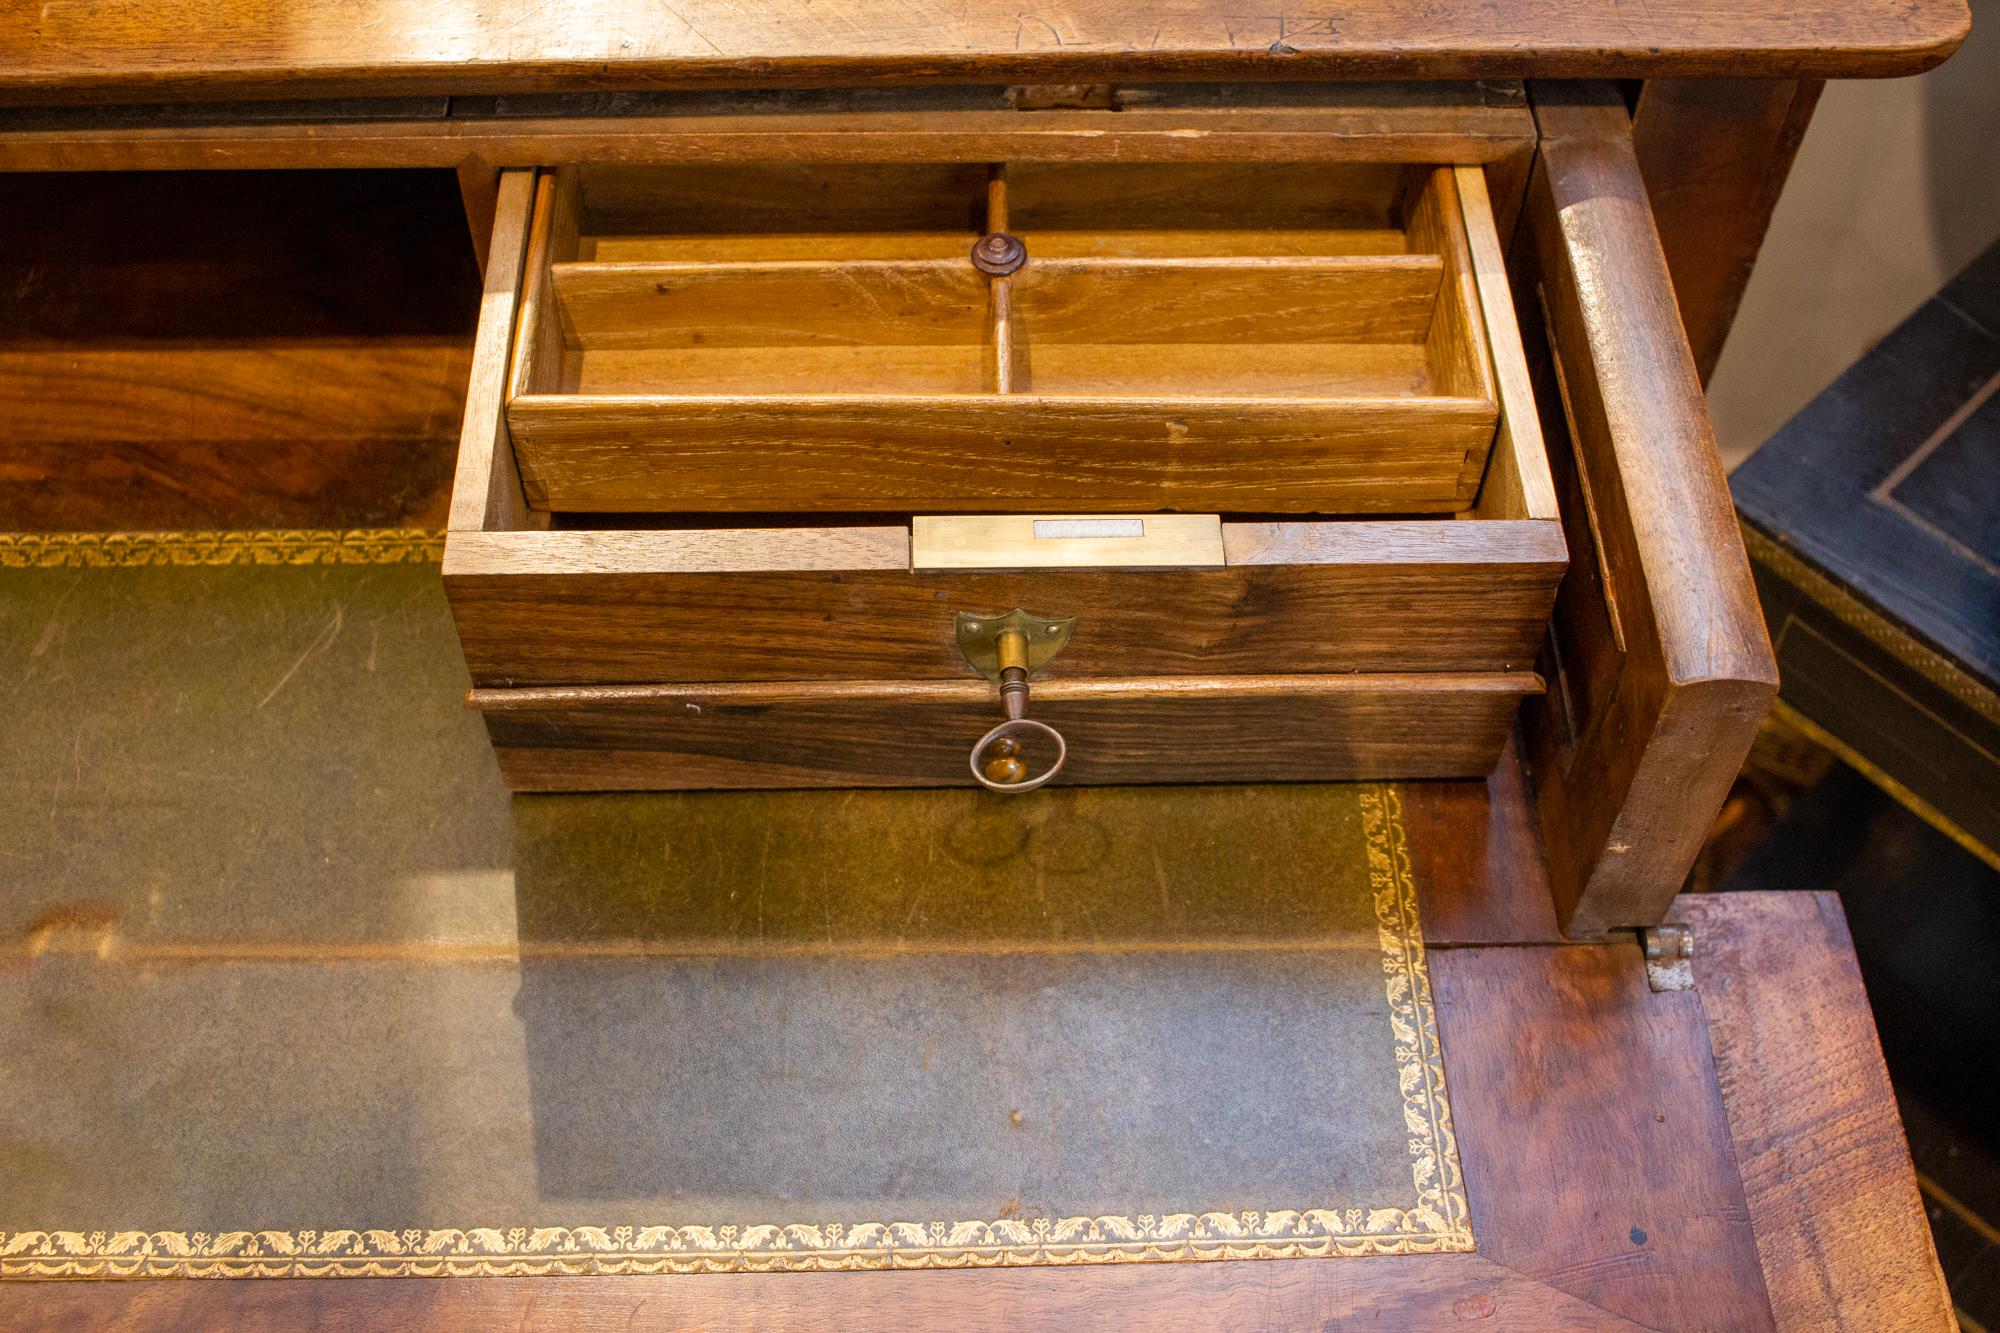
(1066,541)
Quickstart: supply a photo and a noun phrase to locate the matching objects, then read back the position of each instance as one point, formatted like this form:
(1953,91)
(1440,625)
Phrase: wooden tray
(796,645)
(1262,337)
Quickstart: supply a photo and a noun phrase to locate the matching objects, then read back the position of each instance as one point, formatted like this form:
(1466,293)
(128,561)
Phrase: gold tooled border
(1854,759)
(1856,614)
(274,546)
(1437,1221)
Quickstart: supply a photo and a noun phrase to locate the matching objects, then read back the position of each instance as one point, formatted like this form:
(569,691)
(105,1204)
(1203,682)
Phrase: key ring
(1001,738)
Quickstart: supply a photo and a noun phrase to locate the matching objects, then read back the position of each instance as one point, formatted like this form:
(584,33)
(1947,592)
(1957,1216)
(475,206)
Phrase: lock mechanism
(1006,649)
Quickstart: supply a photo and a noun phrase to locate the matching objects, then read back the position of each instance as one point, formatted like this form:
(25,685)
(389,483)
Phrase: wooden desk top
(77,50)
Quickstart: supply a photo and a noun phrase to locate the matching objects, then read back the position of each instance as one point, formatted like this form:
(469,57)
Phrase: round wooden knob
(998,253)
(997,761)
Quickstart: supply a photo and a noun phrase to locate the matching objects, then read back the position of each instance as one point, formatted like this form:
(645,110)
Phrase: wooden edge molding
(1393,123)
(778,693)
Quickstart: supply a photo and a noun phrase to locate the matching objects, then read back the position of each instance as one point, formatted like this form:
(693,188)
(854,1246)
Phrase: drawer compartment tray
(827,349)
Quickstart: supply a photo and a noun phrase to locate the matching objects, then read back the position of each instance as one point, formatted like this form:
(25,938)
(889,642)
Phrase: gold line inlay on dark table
(267,546)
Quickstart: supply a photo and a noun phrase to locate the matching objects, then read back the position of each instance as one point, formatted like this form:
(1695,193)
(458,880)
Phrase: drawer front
(647,608)
(891,734)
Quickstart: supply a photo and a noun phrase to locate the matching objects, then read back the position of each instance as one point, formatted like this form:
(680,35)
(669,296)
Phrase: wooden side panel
(1661,666)
(1594,1140)
(1517,482)
(773,300)
(891,734)
(1244,298)
(486,492)
(231,351)
(564,608)
(1477,861)
(787,303)
(1833,1198)
(1715,154)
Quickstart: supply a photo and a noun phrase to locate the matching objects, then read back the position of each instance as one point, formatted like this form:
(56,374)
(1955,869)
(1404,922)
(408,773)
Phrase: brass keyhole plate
(979,638)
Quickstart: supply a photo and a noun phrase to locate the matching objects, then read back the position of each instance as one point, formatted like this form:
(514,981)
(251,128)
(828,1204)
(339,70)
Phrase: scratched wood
(1833,1198)
(1659,641)
(247,48)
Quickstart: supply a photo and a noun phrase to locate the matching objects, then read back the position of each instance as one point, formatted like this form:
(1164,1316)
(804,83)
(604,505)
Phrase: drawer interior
(231,349)
(629,595)
(1266,336)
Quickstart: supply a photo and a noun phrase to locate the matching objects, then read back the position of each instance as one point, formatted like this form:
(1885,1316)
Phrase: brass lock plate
(979,638)
(1066,541)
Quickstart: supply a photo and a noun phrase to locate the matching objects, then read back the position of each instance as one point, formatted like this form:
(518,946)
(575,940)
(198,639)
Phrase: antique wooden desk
(1631,156)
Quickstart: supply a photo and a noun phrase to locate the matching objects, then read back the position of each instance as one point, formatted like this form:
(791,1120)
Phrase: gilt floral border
(1436,1221)
(287,546)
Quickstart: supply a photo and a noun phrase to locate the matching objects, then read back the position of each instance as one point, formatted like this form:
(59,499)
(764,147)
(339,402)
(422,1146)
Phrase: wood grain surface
(1833,1198)
(899,452)
(1438,1291)
(776,303)
(1665,668)
(1517,482)
(689,134)
(657,607)
(901,734)
(258,350)
(486,489)
(251,48)
(1593,1135)
(1476,858)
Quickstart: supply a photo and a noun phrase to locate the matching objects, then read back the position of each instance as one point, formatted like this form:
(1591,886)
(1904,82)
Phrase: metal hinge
(1669,950)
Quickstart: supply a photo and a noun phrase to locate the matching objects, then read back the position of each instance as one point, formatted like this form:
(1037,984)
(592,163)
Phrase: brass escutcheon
(979,638)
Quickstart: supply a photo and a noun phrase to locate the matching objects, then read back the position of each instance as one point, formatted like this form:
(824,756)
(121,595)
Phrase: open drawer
(1134,336)
(675,589)
(747,607)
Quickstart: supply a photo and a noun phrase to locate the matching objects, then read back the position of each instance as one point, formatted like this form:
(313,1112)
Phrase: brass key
(1006,649)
